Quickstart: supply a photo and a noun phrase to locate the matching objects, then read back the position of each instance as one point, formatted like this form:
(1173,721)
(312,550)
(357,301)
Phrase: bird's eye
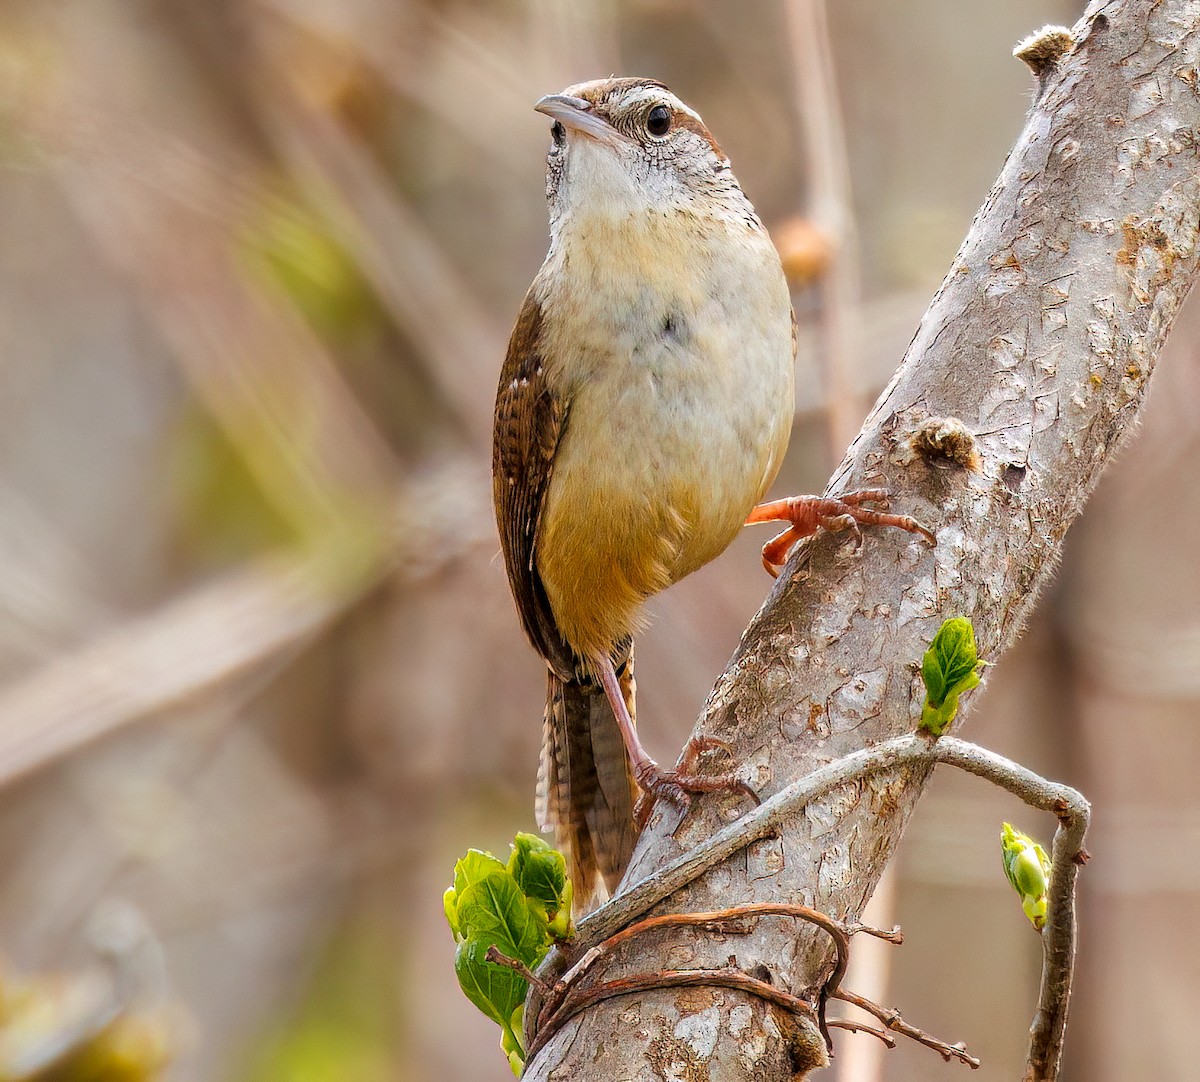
(558,133)
(658,121)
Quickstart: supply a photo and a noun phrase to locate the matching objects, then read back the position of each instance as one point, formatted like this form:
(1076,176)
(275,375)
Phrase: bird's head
(624,146)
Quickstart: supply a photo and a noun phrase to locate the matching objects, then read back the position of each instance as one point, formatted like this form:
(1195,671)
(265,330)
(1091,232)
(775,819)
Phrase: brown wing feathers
(529,423)
(584,793)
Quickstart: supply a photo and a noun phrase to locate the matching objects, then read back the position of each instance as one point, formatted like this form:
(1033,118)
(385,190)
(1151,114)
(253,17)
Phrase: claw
(677,786)
(807,514)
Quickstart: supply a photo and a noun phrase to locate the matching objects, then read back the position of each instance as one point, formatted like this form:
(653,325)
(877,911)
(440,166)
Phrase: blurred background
(261,681)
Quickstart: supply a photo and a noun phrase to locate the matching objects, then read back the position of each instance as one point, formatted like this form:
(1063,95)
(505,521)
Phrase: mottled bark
(1041,340)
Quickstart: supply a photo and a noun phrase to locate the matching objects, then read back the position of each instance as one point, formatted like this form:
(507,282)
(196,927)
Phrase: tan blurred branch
(831,208)
(212,636)
(146,666)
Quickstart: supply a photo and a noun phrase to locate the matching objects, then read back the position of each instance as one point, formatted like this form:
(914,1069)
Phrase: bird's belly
(689,446)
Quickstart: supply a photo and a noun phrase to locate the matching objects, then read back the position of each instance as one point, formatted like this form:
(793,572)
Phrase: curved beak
(575,114)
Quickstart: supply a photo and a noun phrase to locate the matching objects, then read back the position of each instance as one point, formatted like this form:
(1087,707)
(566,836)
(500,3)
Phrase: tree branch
(611,922)
(1041,341)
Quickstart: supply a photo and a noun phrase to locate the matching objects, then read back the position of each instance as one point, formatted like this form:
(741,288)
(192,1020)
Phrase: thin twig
(893,935)
(742,912)
(862,1027)
(890,1017)
(515,964)
(870,975)
(565,1000)
(1058,936)
(630,903)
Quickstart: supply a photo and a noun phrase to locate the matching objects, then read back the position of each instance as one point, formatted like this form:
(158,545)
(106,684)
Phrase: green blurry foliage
(343,1027)
(62,1029)
(222,513)
(286,248)
(250,472)
(242,493)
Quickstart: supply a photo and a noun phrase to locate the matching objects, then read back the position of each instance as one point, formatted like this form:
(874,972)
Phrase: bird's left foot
(807,514)
(678,785)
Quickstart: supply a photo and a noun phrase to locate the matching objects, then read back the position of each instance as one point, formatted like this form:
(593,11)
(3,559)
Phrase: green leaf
(950,666)
(473,868)
(541,873)
(495,911)
(512,1043)
(539,870)
(520,909)
(495,990)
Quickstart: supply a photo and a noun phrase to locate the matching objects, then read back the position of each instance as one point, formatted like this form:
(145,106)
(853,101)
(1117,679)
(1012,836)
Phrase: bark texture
(1041,340)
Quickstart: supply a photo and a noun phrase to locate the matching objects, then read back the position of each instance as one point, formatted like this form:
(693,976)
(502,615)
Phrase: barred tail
(585,791)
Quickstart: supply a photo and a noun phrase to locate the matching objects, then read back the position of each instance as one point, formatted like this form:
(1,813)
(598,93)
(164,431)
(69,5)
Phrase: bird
(644,406)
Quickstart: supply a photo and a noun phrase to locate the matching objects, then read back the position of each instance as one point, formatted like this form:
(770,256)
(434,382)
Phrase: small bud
(541,873)
(1028,870)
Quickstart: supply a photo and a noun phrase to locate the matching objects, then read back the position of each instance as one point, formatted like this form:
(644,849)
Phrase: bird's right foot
(677,786)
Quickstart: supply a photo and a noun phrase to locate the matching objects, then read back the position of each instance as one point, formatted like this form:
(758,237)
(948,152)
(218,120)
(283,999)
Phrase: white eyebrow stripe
(656,93)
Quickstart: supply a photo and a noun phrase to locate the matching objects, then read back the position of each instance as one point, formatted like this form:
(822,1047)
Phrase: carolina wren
(644,407)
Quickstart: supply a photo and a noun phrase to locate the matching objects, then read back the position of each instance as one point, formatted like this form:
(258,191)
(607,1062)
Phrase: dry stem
(890,1017)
